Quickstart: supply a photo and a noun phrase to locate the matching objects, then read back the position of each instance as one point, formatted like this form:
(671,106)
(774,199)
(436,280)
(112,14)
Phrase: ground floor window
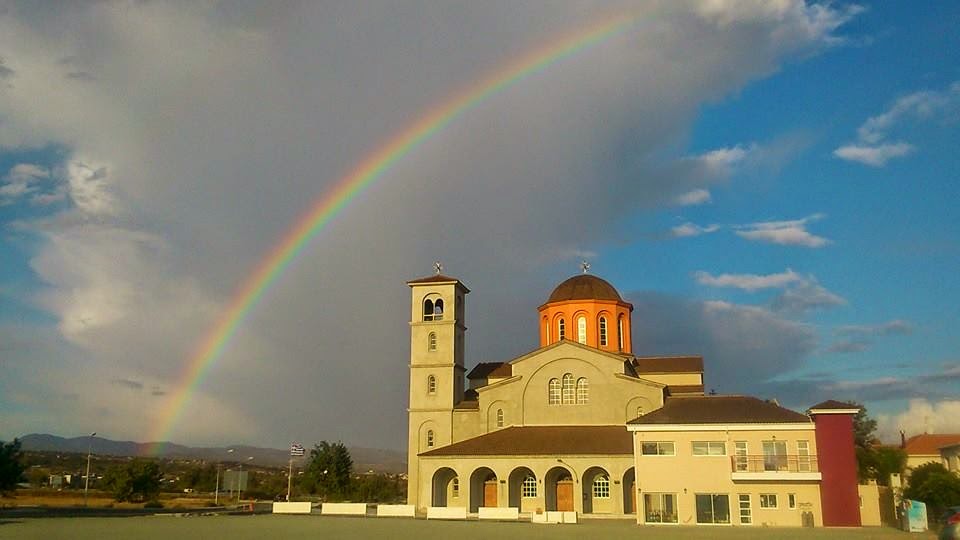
(660,507)
(792,500)
(746,513)
(528,490)
(601,487)
(768,500)
(713,508)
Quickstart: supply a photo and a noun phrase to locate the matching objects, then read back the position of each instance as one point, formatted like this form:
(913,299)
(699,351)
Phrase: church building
(583,424)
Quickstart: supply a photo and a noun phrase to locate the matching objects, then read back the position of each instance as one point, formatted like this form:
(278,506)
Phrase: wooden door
(633,498)
(565,495)
(490,493)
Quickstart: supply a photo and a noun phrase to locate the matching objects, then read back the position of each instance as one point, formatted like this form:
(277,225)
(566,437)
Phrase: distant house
(932,448)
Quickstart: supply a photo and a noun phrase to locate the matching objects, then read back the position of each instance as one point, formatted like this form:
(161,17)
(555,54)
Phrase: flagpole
(289,476)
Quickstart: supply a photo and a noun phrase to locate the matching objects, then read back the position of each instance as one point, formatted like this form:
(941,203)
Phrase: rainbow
(331,203)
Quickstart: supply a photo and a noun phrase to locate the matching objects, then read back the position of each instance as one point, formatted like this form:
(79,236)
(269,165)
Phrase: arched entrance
(558,490)
(484,489)
(629,492)
(445,488)
(521,485)
(597,491)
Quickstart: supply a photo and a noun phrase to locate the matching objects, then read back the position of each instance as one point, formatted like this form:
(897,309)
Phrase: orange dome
(584,287)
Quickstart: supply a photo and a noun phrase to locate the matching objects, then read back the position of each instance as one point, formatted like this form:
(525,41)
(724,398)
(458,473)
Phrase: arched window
(456,487)
(438,310)
(553,394)
(561,330)
(431,384)
(568,389)
(546,330)
(428,310)
(603,331)
(499,417)
(601,487)
(432,341)
(429,438)
(583,390)
(528,489)
(620,331)
(582,330)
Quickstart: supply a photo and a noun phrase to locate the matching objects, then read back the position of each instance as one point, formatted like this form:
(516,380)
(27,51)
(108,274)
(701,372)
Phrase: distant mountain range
(364,459)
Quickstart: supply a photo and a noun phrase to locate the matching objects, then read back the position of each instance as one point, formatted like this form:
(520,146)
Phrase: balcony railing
(779,463)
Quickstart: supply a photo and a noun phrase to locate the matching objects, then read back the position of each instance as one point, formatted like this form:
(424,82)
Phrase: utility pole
(86,480)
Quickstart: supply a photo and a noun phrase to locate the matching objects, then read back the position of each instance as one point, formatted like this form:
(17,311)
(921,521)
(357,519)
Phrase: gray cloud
(806,296)
(889,328)
(847,347)
(128,383)
(210,129)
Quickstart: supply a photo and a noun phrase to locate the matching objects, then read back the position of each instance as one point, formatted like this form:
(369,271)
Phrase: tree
(136,481)
(933,484)
(11,466)
(328,471)
(874,462)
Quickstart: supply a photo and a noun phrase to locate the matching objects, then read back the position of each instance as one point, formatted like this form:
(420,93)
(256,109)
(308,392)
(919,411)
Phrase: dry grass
(68,499)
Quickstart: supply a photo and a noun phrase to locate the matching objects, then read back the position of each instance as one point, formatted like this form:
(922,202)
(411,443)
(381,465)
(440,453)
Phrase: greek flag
(296,449)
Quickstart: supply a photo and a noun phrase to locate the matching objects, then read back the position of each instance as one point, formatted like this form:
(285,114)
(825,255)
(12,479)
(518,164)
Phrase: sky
(772,184)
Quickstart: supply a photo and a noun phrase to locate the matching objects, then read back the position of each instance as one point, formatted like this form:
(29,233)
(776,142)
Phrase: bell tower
(436,368)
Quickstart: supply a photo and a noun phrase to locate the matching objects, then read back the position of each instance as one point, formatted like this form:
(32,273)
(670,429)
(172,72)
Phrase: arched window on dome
(499,417)
(603,331)
(428,310)
(438,310)
(546,330)
(582,329)
(620,331)
(553,392)
(431,385)
(583,390)
(432,341)
(568,392)
(561,330)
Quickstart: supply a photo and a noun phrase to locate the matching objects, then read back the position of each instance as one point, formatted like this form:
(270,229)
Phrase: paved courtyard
(282,527)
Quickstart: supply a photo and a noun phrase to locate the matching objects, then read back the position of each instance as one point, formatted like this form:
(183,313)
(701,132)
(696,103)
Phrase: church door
(490,493)
(565,495)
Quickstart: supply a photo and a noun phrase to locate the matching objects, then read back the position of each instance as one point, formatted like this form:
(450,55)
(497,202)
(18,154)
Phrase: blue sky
(777,193)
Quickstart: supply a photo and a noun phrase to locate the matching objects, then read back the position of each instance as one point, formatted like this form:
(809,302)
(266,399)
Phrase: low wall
(291,507)
(446,512)
(343,509)
(499,514)
(396,510)
(554,517)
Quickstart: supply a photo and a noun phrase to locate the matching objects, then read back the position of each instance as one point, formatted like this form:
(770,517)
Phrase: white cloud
(875,156)
(749,282)
(869,149)
(21,180)
(692,229)
(805,296)
(848,347)
(790,233)
(693,198)
(721,161)
(922,416)
(894,327)
(89,187)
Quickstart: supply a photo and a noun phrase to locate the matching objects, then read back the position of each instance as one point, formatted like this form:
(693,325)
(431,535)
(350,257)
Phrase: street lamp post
(86,480)
(230,451)
(240,480)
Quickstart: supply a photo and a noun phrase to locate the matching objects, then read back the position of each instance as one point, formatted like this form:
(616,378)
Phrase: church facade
(583,424)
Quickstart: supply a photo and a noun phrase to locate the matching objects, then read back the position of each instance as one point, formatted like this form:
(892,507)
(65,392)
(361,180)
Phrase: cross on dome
(438,267)
(585,266)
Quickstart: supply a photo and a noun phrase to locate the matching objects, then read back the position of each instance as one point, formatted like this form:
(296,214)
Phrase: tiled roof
(675,389)
(930,444)
(668,364)
(543,440)
(484,370)
(584,287)
(834,404)
(720,410)
(436,278)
